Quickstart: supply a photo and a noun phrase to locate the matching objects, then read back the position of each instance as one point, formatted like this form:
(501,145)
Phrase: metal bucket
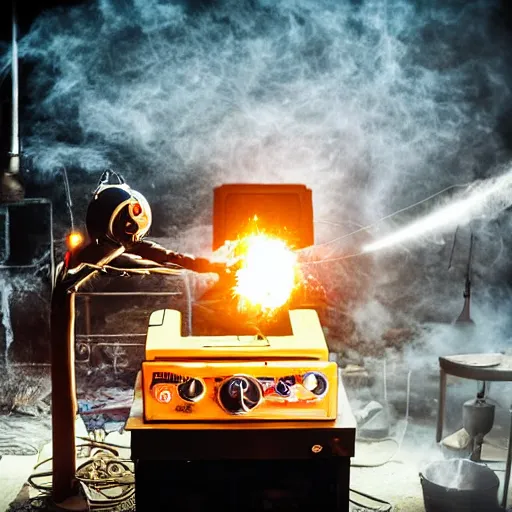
(459,485)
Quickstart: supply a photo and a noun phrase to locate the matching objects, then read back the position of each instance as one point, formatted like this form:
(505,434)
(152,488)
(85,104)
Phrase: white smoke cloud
(373,104)
(337,95)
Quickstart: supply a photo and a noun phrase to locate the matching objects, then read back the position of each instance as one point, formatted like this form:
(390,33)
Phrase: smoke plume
(373,104)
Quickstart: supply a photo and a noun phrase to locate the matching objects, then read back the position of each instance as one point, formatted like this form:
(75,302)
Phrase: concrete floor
(397,481)
(14,471)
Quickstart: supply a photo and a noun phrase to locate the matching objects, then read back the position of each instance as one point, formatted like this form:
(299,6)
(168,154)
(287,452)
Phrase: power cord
(385,506)
(106,479)
(390,439)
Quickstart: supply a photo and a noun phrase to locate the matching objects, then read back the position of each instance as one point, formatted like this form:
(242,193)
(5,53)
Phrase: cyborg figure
(118,215)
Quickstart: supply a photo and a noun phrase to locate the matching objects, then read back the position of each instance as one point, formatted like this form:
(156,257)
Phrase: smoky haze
(372,104)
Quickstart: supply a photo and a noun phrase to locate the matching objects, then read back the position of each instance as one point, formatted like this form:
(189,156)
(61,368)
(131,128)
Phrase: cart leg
(343,486)
(441,404)
(507,468)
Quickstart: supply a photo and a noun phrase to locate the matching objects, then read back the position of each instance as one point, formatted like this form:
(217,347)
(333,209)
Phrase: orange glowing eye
(137,209)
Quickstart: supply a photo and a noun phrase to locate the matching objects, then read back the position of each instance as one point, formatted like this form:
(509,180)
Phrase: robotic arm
(155,252)
(117,215)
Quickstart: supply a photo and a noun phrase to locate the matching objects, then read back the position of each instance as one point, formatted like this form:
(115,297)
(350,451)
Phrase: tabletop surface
(489,366)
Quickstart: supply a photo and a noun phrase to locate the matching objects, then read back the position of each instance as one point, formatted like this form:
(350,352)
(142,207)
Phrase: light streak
(486,199)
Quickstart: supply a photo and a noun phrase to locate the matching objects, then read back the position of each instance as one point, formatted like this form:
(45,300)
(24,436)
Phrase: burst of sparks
(267,272)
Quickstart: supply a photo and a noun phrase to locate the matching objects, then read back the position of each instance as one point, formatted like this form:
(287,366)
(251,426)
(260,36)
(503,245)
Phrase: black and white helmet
(117,212)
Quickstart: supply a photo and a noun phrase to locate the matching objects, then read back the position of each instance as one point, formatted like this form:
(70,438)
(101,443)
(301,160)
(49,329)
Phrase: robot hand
(227,275)
(221,289)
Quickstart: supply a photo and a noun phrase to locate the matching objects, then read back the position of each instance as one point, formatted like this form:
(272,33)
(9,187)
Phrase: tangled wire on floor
(107,482)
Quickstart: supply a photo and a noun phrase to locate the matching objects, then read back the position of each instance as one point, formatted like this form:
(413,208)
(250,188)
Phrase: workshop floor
(396,481)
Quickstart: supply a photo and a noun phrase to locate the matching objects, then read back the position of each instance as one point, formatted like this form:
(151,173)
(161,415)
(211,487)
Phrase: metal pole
(63,393)
(53,266)
(12,190)
(14,165)
(126,294)
(64,406)
(87,314)
(188,293)
(441,405)
(507,468)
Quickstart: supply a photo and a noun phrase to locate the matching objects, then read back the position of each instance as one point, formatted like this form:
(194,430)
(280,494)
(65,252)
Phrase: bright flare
(487,199)
(74,239)
(267,273)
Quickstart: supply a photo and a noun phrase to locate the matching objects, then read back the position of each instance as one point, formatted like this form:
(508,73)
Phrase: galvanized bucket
(459,485)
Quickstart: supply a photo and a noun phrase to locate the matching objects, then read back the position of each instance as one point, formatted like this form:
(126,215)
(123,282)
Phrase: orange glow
(267,272)
(137,209)
(74,240)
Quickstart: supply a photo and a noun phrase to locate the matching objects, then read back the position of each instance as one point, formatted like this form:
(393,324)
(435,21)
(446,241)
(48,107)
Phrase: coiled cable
(106,479)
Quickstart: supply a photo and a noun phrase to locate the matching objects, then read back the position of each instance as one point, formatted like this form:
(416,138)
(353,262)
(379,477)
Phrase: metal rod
(34,365)
(99,344)
(125,294)
(69,201)
(127,335)
(38,263)
(465,315)
(507,468)
(482,386)
(53,266)
(441,405)
(14,164)
(453,248)
(188,292)
(87,314)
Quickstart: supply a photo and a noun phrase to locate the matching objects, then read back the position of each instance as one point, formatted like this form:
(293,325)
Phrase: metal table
(242,465)
(478,367)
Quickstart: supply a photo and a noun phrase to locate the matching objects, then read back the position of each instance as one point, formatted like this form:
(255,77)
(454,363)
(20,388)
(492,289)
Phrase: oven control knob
(316,382)
(192,390)
(162,393)
(240,394)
